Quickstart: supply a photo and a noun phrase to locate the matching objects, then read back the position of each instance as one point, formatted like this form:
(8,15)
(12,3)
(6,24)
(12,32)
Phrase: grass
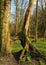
(17,46)
(40,45)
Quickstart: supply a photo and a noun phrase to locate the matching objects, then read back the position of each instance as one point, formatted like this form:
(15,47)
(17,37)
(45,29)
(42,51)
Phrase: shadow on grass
(34,55)
(17,55)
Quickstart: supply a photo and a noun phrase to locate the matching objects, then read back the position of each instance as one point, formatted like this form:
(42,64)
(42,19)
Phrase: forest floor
(12,61)
(7,61)
(14,57)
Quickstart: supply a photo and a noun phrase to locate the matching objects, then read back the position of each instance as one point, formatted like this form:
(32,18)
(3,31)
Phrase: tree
(16,18)
(45,3)
(21,15)
(45,20)
(26,26)
(36,20)
(43,17)
(5,28)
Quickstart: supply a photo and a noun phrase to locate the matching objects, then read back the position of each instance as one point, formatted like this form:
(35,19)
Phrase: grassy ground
(40,45)
(17,46)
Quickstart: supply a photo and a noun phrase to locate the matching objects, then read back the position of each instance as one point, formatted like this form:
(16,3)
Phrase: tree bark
(16,18)
(26,26)
(36,21)
(5,28)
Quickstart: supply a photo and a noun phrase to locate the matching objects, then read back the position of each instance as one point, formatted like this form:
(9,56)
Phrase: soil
(12,60)
(7,61)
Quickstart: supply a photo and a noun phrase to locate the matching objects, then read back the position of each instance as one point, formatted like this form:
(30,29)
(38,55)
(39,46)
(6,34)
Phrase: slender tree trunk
(45,22)
(16,21)
(26,26)
(43,19)
(45,3)
(36,21)
(5,28)
(21,17)
(44,35)
(44,31)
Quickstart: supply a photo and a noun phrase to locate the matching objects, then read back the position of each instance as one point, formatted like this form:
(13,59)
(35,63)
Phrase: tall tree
(5,28)
(26,26)
(16,18)
(21,15)
(36,20)
(43,17)
(45,20)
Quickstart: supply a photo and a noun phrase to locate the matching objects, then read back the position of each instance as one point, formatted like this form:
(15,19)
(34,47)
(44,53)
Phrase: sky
(13,5)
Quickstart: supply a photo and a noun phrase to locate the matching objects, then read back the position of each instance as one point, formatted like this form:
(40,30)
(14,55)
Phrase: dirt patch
(12,60)
(8,61)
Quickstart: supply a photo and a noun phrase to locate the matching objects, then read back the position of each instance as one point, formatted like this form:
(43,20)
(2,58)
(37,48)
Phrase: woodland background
(23,32)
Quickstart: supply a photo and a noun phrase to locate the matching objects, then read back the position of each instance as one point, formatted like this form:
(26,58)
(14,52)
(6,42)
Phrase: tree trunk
(45,3)
(36,20)
(5,28)
(26,26)
(44,35)
(16,19)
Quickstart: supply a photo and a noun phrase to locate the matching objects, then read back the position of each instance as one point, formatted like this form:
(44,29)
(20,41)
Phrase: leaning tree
(23,35)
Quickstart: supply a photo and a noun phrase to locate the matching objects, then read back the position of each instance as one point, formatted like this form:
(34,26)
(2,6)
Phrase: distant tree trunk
(36,21)
(21,17)
(44,29)
(45,3)
(44,19)
(26,26)
(16,18)
(5,28)
(44,35)
(42,4)
(45,24)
